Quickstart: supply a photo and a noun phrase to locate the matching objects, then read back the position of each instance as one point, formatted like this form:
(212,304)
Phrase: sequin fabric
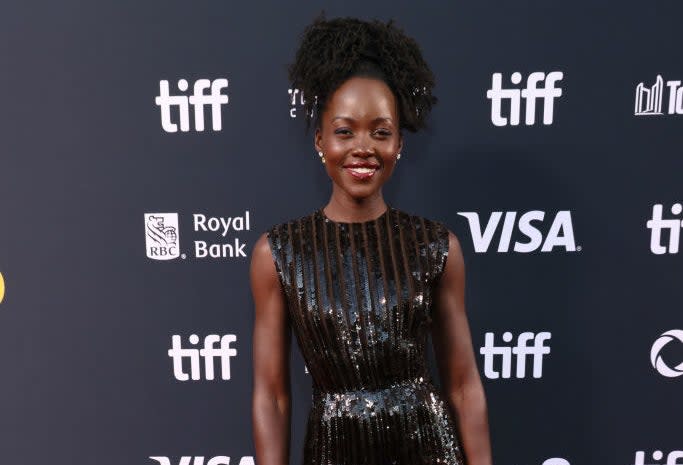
(359,299)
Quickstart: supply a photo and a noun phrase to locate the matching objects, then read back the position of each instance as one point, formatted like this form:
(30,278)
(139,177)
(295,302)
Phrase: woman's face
(359,126)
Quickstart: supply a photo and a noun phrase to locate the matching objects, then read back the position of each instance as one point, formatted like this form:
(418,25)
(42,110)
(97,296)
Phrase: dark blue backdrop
(87,319)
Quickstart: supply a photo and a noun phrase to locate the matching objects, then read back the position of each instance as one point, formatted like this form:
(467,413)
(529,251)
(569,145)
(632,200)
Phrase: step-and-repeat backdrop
(145,146)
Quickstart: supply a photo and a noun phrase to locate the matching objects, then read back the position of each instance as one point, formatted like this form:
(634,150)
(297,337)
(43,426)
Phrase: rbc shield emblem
(162,236)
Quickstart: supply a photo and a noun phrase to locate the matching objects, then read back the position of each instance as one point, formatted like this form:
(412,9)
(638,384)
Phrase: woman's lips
(361,173)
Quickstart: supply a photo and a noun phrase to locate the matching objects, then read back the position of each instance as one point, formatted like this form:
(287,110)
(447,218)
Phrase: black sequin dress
(359,299)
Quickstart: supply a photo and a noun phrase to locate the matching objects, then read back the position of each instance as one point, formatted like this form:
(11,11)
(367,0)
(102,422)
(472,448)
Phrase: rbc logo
(561,233)
(532,92)
(198,101)
(657,224)
(208,353)
(537,350)
(161,236)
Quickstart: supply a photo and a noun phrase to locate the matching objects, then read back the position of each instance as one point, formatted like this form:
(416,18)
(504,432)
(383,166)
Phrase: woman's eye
(380,133)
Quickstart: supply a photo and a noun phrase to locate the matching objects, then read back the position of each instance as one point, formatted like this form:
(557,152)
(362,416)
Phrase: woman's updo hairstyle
(332,51)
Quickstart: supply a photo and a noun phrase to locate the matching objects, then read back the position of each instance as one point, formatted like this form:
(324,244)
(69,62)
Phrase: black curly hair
(331,51)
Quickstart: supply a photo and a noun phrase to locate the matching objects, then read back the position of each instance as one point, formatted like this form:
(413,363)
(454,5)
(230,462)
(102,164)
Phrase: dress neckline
(328,220)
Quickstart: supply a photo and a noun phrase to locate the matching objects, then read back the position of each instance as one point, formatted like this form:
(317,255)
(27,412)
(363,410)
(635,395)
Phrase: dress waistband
(367,401)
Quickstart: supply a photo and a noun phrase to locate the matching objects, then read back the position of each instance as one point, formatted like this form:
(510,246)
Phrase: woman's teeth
(362,172)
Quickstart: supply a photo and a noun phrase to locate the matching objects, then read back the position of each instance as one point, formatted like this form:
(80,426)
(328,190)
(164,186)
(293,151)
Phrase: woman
(362,283)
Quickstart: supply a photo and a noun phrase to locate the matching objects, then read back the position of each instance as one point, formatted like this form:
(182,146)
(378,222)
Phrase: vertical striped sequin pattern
(360,298)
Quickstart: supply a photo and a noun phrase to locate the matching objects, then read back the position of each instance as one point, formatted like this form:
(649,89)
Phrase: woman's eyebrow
(376,120)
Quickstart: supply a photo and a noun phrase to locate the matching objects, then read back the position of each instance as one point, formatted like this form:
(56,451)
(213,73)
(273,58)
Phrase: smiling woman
(359,138)
(361,283)
(365,82)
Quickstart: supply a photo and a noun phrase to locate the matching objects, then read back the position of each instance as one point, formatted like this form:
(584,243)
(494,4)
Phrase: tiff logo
(530,94)
(560,233)
(671,459)
(209,352)
(649,99)
(199,99)
(504,353)
(657,225)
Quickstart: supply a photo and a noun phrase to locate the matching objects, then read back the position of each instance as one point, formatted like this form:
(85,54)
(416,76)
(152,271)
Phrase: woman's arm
(271,403)
(455,357)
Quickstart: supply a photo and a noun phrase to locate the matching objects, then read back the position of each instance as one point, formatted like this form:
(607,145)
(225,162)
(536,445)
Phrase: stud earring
(322,157)
(398,156)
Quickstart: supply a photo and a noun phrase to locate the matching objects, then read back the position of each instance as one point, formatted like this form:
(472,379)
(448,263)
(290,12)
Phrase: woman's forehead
(360,97)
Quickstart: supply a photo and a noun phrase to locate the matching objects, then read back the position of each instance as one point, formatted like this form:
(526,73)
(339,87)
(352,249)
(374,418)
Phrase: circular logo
(2,288)
(656,359)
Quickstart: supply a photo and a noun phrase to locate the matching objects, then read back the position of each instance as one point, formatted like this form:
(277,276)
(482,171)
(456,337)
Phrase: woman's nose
(365,146)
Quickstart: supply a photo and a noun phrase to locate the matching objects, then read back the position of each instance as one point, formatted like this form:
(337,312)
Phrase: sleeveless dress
(359,298)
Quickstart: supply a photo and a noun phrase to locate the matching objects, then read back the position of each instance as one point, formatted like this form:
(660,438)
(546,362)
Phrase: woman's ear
(317,140)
